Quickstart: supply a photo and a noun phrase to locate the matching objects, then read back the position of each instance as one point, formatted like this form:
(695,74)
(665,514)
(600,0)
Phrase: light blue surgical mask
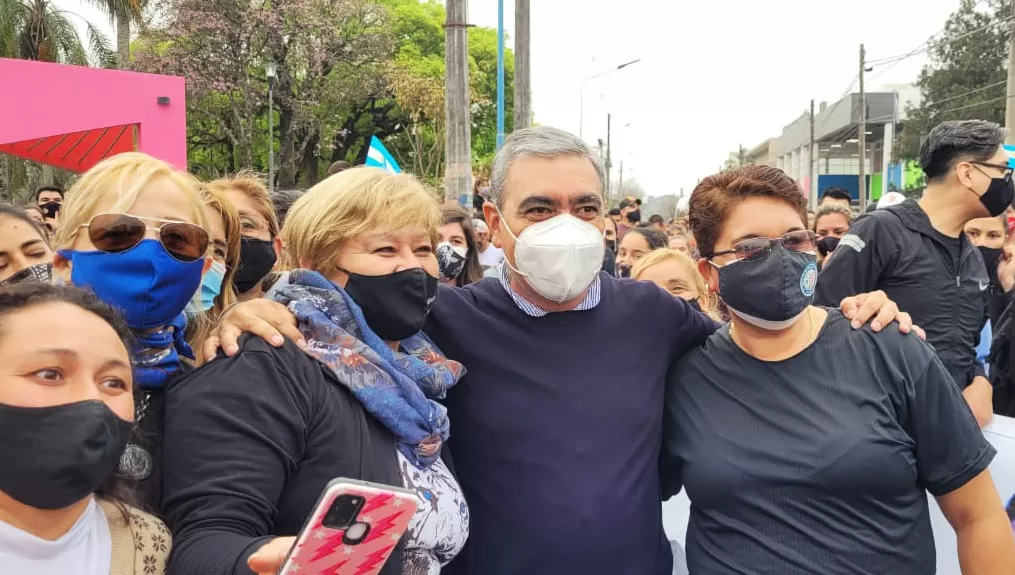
(211,287)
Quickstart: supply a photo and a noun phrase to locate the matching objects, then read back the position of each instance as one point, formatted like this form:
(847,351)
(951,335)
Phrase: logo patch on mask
(809,279)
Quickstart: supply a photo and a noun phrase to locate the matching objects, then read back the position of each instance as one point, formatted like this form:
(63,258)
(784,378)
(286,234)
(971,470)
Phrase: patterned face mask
(451,260)
(42,273)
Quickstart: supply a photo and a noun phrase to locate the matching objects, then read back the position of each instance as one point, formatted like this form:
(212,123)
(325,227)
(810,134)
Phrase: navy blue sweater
(556,428)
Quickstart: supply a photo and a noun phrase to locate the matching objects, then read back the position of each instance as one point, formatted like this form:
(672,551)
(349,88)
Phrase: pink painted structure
(72,117)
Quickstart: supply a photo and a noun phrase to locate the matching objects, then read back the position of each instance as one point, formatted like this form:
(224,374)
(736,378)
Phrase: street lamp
(581,124)
(270,69)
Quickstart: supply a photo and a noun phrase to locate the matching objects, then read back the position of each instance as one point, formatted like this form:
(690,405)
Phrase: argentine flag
(379,157)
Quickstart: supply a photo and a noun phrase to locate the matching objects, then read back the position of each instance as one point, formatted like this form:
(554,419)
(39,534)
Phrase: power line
(976,105)
(964,94)
(931,44)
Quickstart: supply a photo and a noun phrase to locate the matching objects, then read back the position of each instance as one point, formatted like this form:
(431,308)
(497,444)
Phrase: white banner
(1000,433)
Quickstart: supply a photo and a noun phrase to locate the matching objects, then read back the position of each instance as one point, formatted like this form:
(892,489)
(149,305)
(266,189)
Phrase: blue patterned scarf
(398,388)
(156,354)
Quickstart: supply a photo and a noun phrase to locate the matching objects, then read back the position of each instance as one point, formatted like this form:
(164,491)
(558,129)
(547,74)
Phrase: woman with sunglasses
(216,292)
(25,254)
(804,445)
(134,233)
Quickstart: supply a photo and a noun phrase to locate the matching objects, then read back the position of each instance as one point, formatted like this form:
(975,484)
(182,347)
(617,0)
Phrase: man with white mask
(557,426)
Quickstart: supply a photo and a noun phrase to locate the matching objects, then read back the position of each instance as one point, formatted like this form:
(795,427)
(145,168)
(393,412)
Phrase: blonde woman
(677,274)
(260,245)
(66,412)
(358,401)
(134,232)
(216,292)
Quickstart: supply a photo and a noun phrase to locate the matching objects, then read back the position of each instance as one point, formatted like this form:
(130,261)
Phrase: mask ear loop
(514,237)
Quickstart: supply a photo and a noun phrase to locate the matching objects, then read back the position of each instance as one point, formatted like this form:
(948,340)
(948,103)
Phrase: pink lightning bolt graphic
(376,502)
(381,526)
(331,542)
(372,560)
(334,569)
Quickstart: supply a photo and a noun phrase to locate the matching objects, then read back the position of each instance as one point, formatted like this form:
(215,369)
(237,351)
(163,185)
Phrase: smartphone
(353,529)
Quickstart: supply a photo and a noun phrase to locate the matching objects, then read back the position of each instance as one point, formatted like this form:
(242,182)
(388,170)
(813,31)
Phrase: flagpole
(500,73)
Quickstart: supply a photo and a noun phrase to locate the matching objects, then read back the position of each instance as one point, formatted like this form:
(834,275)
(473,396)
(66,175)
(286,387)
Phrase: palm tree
(123,13)
(38,30)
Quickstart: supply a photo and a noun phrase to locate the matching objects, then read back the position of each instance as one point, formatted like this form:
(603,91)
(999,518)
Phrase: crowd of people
(188,364)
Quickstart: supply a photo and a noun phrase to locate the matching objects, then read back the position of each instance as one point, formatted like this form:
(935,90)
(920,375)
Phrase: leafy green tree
(38,30)
(966,76)
(123,13)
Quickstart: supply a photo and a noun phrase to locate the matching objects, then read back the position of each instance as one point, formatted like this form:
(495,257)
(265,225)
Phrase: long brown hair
(473,271)
(200,326)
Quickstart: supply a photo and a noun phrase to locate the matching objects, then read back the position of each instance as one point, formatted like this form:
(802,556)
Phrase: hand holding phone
(352,531)
(270,557)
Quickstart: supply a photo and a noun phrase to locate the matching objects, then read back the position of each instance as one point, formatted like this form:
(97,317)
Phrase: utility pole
(457,140)
(1009,103)
(812,191)
(741,159)
(523,92)
(863,135)
(620,181)
(609,117)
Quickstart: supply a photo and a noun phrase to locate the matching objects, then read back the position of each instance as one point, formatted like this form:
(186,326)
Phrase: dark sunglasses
(114,233)
(1004,168)
(756,249)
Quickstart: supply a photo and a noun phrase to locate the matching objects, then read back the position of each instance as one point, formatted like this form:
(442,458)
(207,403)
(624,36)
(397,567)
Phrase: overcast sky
(713,74)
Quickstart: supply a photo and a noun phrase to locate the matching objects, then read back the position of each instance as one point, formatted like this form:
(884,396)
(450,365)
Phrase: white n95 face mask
(560,257)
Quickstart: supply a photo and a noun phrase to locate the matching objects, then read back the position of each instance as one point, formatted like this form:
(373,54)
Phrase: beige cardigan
(141,542)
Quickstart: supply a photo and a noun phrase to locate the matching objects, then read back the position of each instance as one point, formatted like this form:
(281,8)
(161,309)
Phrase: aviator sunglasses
(114,233)
(755,249)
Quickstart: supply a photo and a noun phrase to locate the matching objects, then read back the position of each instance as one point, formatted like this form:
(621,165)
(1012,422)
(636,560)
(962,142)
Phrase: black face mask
(827,245)
(623,271)
(50,209)
(59,455)
(257,257)
(39,273)
(999,195)
(612,245)
(395,305)
(770,293)
(634,217)
(990,258)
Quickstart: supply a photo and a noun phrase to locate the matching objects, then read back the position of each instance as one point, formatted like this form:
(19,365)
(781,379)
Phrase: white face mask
(560,257)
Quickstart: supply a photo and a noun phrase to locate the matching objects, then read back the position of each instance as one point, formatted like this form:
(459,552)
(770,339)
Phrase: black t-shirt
(817,463)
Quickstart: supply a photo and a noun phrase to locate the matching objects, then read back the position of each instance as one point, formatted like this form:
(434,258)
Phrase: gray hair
(958,141)
(832,209)
(539,142)
(282,201)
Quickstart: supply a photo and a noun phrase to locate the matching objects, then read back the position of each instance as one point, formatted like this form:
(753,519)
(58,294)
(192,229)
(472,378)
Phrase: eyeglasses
(755,249)
(1005,168)
(114,233)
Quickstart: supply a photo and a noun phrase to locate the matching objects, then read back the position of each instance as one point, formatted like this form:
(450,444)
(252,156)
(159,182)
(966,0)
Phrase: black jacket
(1002,352)
(897,250)
(145,465)
(250,443)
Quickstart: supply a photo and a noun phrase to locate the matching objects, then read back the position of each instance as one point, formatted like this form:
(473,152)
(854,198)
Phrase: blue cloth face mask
(211,287)
(148,286)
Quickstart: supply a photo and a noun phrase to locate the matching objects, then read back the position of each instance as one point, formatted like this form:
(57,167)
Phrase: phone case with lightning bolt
(321,550)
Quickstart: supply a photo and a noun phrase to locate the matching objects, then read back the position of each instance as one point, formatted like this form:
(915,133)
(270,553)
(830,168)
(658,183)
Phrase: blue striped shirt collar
(590,300)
